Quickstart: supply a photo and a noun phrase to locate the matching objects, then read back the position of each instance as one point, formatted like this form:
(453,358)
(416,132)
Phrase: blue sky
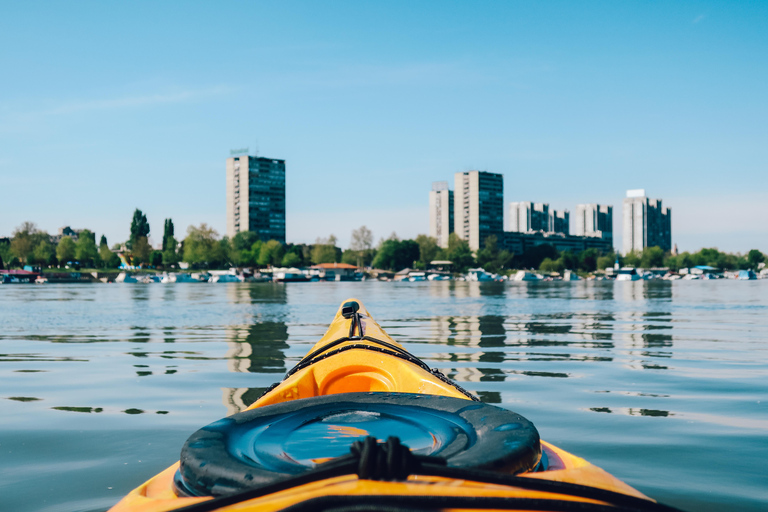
(105,108)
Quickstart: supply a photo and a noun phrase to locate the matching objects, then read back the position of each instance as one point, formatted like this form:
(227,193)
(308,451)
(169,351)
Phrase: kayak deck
(356,355)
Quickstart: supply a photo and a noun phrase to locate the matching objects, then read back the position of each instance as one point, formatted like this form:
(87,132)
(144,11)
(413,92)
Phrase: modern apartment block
(441,213)
(560,222)
(594,220)
(528,217)
(256,197)
(478,206)
(646,223)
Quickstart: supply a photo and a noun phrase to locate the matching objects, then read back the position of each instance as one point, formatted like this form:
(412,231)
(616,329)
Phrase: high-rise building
(256,197)
(478,206)
(520,216)
(560,222)
(441,213)
(528,217)
(646,223)
(594,220)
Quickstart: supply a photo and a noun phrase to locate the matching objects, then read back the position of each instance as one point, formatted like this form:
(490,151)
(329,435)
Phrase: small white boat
(439,277)
(524,275)
(225,278)
(478,274)
(627,274)
(417,276)
(41,280)
(124,277)
(746,275)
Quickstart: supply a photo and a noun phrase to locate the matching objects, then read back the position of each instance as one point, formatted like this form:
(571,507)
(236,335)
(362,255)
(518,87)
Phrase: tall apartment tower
(594,220)
(520,216)
(256,197)
(441,213)
(560,222)
(646,223)
(478,206)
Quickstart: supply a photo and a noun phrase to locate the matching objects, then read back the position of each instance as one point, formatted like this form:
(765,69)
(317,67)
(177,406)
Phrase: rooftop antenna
(256,148)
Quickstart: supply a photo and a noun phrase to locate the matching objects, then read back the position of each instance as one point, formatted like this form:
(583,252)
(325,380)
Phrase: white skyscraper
(440,212)
(646,223)
(594,220)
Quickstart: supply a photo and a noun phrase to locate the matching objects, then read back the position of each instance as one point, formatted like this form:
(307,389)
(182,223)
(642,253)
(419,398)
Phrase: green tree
(105,255)
(459,253)
(24,241)
(43,253)
(491,258)
(156,259)
(550,265)
(103,242)
(139,227)
(362,243)
(85,248)
(201,246)
(325,250)
(242,248)
(632,259)
(754,258)
(290,259)
(170,256)
(396,255)
(385,255)
(251,257)
(428,249)
(588,259)
(5,252)
(141,251)
(271,253)
(168,239)
(533,256)
(606,261)
(65,251)
(113,262)
(652,257)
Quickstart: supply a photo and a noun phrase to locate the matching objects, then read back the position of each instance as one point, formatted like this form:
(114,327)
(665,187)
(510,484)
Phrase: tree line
(203,247)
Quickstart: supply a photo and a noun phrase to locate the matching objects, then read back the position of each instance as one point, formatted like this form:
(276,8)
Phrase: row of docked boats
(183,277)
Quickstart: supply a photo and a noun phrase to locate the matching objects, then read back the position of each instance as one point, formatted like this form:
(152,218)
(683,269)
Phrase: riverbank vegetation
(203,248)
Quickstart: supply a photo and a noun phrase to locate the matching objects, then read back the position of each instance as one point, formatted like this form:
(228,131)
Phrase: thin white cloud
(138,101)
(698,18)
(28,120)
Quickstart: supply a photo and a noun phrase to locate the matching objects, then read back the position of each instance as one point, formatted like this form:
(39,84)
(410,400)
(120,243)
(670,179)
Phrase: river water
(663,384)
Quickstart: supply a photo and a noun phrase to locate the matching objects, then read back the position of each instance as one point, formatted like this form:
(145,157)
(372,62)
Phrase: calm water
(663,384)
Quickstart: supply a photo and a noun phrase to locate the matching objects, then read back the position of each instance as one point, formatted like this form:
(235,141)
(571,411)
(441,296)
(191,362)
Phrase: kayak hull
(356,355)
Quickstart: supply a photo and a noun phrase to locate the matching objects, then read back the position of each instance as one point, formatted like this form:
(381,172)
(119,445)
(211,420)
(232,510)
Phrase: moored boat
(361,424)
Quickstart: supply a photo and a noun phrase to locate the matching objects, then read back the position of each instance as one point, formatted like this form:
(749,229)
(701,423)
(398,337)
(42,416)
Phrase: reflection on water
(258,347)
(677,369)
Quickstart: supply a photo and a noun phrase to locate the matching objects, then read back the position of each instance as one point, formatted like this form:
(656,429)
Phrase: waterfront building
(478,210)
(441,213)
(520,243)
(594,220)
(520,216)
(560,222)
(256,197)
(527,217)
(74,234)
(646,223)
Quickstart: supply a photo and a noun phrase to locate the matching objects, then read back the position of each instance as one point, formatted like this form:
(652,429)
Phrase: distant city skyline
(135,106)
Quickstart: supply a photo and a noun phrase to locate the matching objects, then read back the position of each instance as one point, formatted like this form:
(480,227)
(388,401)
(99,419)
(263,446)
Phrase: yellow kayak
(361,424)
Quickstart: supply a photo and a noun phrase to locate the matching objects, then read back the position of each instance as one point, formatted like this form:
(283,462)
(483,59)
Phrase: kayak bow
(361,424)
